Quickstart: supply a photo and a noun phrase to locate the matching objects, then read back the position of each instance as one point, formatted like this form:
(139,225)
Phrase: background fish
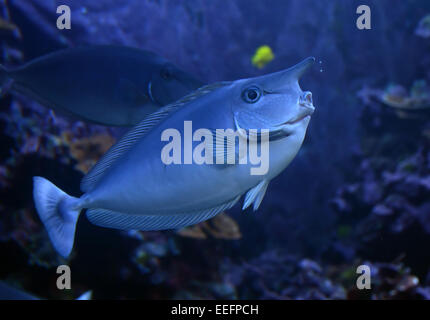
(131,188)
(263,55)
(76,81)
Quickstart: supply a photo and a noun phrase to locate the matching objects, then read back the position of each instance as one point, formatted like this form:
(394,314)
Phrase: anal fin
(125,221)
(255,195)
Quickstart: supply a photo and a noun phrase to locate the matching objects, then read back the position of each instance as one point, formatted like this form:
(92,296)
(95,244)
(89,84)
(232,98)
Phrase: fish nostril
(308,97)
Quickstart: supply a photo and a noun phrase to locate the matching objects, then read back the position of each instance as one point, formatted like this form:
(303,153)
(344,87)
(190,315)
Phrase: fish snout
(306,108)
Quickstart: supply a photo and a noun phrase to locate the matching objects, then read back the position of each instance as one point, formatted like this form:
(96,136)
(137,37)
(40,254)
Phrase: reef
(220,227)
(423,28)
(347,200)
(35,142)
(383,214)
(396,96)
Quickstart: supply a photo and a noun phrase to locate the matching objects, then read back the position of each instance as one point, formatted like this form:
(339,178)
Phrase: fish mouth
(306,109)
(298,119)
(305,114)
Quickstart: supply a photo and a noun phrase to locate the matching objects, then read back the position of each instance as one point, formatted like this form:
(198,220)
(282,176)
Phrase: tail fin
(87,295)
(59,213)
(6,81)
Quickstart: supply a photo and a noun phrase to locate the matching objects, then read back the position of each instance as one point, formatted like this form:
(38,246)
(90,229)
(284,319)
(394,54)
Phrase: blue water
(356,194)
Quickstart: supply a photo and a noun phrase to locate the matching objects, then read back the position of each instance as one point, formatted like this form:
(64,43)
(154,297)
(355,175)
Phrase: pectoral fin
(227,149)
(255,195)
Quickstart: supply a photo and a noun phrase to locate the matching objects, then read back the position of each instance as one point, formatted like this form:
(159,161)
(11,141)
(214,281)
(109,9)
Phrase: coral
(88,150)
(210,290)
(423,28)
(148,256)
(37,140)
(221,226)
(277,275)
(391,281)
(386,205)
(379,213)
(396,96)
(195,232)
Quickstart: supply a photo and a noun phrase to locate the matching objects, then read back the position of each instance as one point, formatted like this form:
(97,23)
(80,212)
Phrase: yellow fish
(263,55)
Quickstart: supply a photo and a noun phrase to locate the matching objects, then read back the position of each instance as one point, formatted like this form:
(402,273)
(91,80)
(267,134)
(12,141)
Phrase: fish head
(274,101)
(169,83)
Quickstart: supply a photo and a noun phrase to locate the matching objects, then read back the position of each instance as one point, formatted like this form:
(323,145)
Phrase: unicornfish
(155,178)
(109,85)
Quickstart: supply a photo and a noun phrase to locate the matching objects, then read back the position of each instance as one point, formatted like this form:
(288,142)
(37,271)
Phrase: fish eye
(251,95)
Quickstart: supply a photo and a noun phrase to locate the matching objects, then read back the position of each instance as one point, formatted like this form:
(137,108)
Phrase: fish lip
(309,111)
(297,120)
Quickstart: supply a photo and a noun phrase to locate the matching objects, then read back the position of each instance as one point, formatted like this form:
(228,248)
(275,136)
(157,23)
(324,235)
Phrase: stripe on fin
(202,91)
(123,145)
(130,138)
(124,221)
(255,195)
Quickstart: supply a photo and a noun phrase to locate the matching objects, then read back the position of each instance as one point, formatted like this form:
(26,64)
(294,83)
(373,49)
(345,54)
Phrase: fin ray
(131,137)
(59,213)
(124,221)
(123,145)
(225,149)
(255,195)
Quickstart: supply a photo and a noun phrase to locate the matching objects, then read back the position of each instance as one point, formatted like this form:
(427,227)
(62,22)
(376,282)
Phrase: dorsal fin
(123,145)
(131,137)
(202,91)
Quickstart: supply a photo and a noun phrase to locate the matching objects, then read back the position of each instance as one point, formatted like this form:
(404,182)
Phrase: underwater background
(357,193)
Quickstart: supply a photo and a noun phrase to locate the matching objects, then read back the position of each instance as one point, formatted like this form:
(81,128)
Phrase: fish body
(110,85)
(132,187)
